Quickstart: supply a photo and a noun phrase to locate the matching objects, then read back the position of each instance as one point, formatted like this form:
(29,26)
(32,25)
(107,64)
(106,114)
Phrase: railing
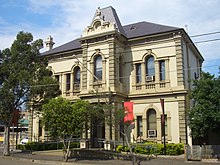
(150,86)
(162,85)
(197,152)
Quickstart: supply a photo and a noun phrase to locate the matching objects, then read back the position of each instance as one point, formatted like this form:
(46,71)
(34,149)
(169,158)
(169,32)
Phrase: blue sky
(65,20)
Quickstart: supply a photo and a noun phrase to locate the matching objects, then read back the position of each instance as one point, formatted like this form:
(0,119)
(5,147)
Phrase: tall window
(120,69)
(76,77)
(150,67)
(162,70)
(138,73)
(68,82)
(139,126)
(151,120)
(98,67)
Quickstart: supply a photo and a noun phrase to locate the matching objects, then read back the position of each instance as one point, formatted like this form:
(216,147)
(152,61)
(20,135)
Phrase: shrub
(154,148)
(35,146)
(119,148)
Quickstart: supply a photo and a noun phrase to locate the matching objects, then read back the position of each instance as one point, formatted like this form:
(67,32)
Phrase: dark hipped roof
(130,31)
(145,28)
(75,44)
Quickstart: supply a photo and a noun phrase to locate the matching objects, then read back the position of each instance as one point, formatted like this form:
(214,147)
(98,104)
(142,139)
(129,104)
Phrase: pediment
(105,20)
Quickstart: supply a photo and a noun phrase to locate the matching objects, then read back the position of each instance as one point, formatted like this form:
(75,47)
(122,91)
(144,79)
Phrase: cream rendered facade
(124,52)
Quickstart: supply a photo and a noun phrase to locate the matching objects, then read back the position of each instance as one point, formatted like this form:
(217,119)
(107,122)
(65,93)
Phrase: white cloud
(70,18)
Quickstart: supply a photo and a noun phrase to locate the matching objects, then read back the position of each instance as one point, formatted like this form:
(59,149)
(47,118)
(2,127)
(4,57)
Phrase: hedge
(154,148)
(35,146)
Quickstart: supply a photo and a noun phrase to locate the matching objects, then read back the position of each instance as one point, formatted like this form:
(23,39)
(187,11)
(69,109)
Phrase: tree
(23,78)
(65,120)
(116,118)
(204,116)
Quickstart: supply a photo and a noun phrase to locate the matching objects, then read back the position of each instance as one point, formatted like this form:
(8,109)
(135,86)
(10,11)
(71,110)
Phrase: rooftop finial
(98,12)
(49,42)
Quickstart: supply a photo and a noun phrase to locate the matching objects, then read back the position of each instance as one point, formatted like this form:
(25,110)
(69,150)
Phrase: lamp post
(163,125)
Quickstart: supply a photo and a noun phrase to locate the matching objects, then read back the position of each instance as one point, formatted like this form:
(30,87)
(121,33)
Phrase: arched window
(76,77)
(150,67)
(98,67)
(151,123)
(120,69)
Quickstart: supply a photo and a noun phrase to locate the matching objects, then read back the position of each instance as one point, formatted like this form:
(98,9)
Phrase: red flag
(128,108)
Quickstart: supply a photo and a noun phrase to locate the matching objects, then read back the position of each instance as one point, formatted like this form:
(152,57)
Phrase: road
(26,159)
(9,161)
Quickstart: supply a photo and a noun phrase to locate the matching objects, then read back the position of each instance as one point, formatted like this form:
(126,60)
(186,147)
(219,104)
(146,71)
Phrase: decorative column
(112,65)
(64,84)
(167,73)
(133,77)
(159,128)
(84,63)
(143,74)
(71,83)
(144,123)
(92,78)
(179,60)
(157,75)
(104,73)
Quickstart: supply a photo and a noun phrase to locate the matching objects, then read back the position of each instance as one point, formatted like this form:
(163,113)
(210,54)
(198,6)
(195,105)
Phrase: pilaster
(112,69)
(182,121)
(84,63)
(143,73)
(179,60)
(167,73)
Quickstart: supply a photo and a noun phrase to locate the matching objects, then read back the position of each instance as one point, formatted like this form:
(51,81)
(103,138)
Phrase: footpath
(55,157)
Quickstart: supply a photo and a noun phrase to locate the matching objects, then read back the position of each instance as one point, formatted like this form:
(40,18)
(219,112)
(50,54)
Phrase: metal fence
(197,152)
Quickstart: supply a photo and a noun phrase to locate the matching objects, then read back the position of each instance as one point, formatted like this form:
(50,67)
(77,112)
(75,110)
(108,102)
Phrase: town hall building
(141,62)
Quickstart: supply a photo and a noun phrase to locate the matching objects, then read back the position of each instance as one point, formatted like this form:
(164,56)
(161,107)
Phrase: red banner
(128,108)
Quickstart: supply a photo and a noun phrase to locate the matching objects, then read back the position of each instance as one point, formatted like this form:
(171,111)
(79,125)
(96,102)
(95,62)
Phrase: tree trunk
(130,149)
(6,151)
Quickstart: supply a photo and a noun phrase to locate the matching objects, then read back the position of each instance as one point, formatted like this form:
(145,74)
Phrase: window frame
(151,125)
(68,81)
(138,72)
(139,126)
(98,70)
(162,70)
(150,65)
(76,81)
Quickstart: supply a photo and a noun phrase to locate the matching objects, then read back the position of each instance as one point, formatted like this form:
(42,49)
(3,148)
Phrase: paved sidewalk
(56,158)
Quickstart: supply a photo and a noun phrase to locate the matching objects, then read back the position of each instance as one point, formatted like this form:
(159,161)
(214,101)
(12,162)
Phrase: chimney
(49,42)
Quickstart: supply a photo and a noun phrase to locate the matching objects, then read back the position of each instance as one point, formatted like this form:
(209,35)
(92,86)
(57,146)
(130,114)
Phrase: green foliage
(204,116)
(62,118)
(174,149)
(24,77)
(154,148)
(119,148)
(35,146)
